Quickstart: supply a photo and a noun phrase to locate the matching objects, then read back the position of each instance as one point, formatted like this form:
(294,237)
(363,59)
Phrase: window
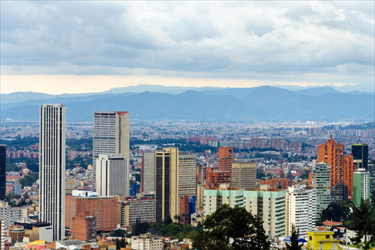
(327,236)
(310,238)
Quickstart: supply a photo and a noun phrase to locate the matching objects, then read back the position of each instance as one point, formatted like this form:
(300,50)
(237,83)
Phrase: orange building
(103,208)
(184,209)
(277,183)
(342,167)
(84,227)
(225,158)
(216,177)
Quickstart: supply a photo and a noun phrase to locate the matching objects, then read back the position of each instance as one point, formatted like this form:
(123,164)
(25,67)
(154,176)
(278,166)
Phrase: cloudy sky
(91,46)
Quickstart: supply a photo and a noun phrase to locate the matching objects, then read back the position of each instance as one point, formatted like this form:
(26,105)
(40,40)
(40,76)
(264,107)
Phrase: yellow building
(322,240)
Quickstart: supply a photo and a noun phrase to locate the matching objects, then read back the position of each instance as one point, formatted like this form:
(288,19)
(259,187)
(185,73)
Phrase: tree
(231,228)
(167,220)
(362,221)
(293,245)
(140,227)
(336,212)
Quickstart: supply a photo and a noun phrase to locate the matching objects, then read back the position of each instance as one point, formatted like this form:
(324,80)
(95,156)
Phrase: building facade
(321,181)
(111,175)
(225,158)
(300,209)
(52,167)
(269,205)
(244,175)
(132,209)
(175,176)
(110,136)
(342,167)
(148,173)
(147,242)
(360,155)
(9,215)
(3,165)
(103,208)
(361,186)
(84,227)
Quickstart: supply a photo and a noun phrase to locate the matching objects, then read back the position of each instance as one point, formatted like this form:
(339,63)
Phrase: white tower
(52,168)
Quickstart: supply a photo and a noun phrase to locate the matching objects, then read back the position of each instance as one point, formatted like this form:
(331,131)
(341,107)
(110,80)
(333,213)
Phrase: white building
(111,136)
(147,242)
(9,215)
(52,167)
(111,175)
(300,209)
(2,235)
(321,182)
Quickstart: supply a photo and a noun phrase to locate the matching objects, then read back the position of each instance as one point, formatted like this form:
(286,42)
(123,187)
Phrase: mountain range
(154,102)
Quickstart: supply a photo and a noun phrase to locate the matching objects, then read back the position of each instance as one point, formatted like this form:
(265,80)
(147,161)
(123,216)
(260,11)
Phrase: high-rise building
(225,158)
(360,155)
(300,209)
(148,173)
(111,175)
(339,193)
(3,166)
(52,167)
(342,167)
(135,208)
(9,215)
(321,181)
(361,186)
(111,136)
(175,176)
(103,208)
(244,175)
(269,205)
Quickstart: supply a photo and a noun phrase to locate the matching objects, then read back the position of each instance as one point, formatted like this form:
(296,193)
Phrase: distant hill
(245,104)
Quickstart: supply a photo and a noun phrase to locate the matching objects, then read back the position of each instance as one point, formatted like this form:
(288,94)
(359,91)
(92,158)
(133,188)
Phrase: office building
(342,167)
(268,204)
(244,175)
(3,166)
(225,158)
(9,215)
(300,209)
(217,177)
(147,242)
(52,167)
(360,155)
(111,136)
(148,173)
(339,193)
(136,208)
(103,208)
(37,230)
(84,227)
(320,180)
(175,176)
(111,175)
(361,186)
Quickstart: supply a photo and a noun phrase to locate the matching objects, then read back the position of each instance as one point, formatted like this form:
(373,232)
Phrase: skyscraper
(321,182)
(148,173)
(111,175)
(2,171)
(342,167)
(361,186)
(111,136)
(360,155)
(175,176)
(52,167)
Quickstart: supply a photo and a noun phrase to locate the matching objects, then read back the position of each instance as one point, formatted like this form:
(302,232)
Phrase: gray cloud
(220,39)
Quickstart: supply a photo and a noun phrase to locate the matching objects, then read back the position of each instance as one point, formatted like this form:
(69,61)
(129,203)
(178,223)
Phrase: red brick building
(103,208)
(225,158)
(342,167)
(84,227)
